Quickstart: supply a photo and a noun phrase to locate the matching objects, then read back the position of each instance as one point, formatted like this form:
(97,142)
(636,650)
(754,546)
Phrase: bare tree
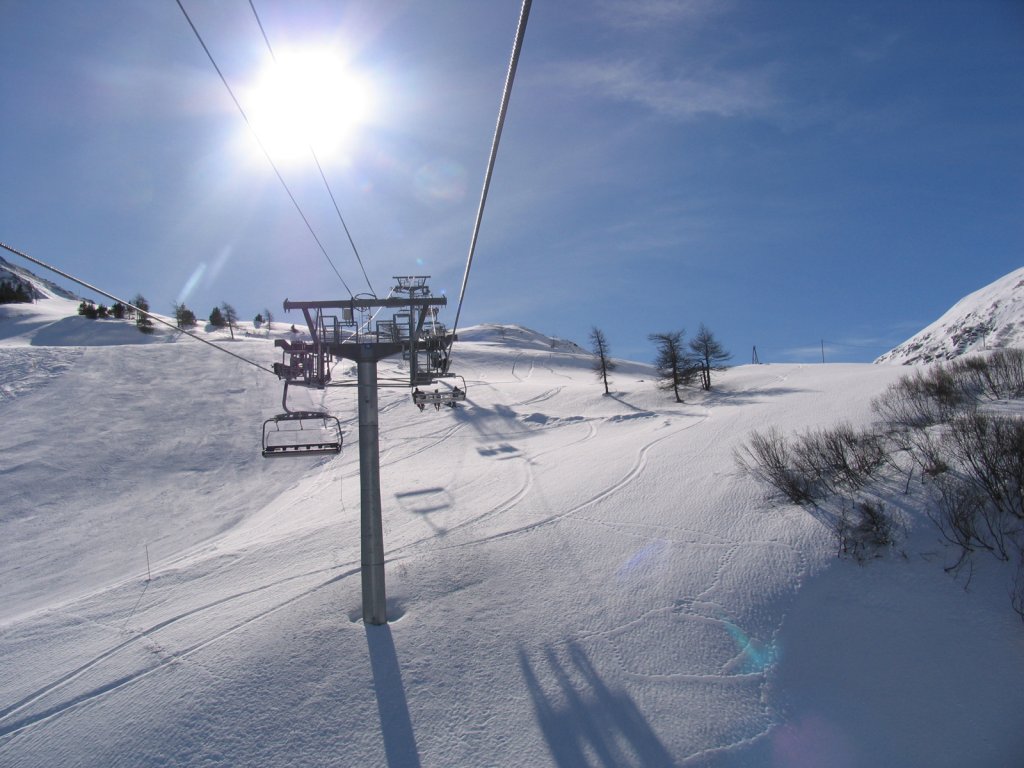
(675,369)
(269,318)
(230,317)
(709,355)
(604,363)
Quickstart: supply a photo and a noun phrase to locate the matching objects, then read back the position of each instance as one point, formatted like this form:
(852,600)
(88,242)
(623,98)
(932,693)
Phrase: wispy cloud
(876,48)
(677,95)
(654,13)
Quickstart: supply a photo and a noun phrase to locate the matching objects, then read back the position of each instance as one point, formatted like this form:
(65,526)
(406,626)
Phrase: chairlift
(448,397)
(301,433)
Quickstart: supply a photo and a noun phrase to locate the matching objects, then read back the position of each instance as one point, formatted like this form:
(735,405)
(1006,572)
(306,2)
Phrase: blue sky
(784,172)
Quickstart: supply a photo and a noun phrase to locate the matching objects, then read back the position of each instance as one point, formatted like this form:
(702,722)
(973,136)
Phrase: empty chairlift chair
(301,433)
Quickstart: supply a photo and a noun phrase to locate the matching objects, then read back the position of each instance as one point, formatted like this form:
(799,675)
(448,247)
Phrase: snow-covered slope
(40,287)
(989,318)
(574,579)
(52,320)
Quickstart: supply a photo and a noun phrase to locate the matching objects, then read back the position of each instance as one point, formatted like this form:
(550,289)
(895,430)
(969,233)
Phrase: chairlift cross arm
(372,303)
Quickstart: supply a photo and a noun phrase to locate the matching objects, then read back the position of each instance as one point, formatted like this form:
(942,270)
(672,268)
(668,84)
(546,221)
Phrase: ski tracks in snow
(718,635)
(704,641)
(33,709)
(23,369)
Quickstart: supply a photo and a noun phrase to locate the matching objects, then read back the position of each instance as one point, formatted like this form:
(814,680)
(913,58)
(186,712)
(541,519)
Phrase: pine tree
(216,318)
(709,354)
(603,364)
(675,368)
(142,321)
(184,316)
(230,317)
(14,292)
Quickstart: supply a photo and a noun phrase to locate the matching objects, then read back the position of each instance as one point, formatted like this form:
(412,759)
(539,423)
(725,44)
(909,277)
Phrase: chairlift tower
(343,337)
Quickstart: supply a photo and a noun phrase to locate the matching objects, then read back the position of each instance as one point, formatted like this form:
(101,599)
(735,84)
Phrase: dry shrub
(769,458)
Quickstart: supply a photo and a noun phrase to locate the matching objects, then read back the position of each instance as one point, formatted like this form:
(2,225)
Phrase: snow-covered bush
(973,461)
(815,465)
(981,494)
(769,457)
(824,470)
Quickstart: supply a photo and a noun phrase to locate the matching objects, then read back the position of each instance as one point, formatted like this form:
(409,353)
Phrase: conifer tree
(675,368)
(709,354)
(142,321)
(603,364)
(14,293)
(230,317)
(184,316)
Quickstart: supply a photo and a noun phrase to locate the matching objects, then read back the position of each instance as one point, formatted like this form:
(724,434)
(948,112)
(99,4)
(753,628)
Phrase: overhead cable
(524,15)
(316,159)
(245,117)
(150,315)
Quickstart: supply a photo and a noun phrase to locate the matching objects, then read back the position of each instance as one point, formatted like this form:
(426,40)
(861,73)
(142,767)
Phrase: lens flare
(643,559)
(440,182)
(192,282)
(755,657)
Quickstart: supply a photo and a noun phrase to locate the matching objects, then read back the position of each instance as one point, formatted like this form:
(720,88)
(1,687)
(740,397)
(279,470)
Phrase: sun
(308,98)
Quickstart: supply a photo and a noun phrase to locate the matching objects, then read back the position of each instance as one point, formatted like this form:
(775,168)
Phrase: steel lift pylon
(407,333)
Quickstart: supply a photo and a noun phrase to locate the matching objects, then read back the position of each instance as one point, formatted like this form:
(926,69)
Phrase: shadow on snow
(584,721)
(395,722)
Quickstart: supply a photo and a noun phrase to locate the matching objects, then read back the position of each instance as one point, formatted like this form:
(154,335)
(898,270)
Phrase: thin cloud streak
(677,97)
(656,13)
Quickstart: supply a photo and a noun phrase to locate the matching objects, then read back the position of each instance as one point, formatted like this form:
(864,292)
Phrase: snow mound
(52,320)
(55,322)
(989,318)
(517,336)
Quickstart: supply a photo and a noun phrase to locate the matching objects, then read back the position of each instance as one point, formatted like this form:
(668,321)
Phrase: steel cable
(319,167)
(245,117)
(150,315)
(506,94)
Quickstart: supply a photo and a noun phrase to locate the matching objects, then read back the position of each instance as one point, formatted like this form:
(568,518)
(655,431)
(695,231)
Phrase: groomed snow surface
(574,579)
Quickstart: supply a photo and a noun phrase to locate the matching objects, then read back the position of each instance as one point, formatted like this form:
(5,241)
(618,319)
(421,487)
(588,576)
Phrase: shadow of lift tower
(412,332)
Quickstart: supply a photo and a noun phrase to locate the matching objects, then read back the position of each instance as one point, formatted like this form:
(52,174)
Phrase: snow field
(573,579)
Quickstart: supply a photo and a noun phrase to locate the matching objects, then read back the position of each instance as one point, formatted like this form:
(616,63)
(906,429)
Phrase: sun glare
(308,98)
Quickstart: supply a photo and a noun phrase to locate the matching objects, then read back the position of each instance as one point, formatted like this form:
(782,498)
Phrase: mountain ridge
(991,317)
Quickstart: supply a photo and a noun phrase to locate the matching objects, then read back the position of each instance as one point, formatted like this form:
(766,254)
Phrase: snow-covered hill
(39,287)
(574,579)
(989,318)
